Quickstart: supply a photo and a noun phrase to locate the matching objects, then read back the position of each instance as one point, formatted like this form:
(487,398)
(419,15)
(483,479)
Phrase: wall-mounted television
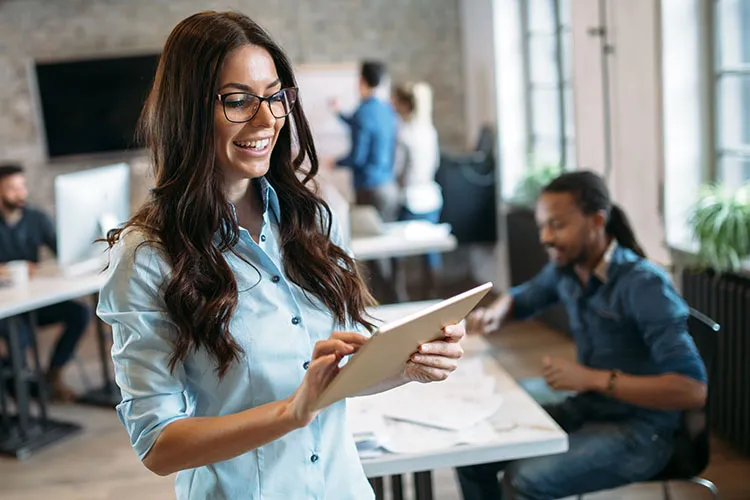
(92,106)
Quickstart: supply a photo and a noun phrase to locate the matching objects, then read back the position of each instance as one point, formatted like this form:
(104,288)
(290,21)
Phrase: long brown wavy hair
(189,216)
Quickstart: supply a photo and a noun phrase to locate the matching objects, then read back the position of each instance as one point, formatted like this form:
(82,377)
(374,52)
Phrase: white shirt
(417,160)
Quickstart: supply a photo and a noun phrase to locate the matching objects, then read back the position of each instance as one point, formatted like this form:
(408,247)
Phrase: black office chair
(692,443)
(467,180)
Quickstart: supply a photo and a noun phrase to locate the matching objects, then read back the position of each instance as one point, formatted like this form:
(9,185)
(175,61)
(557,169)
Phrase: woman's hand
(323,368)
(435,360)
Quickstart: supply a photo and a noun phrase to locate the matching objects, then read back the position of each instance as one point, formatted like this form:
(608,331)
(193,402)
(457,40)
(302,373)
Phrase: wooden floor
(99,464)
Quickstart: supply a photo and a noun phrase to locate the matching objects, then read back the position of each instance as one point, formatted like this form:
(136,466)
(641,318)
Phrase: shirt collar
(601,270)
(268,197)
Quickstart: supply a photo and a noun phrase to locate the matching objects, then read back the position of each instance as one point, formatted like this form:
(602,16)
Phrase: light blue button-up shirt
(277,326)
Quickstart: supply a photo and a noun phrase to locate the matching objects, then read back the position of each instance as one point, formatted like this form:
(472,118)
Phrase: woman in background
(417,160)
(227,290)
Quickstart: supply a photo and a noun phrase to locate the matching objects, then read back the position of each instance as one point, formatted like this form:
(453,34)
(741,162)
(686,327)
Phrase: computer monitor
(87,205)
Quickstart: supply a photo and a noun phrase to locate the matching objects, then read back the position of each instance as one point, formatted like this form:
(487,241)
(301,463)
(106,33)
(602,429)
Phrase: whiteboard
(318,84)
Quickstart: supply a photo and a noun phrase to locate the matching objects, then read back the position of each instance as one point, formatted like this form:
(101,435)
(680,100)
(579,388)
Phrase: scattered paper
(419,418)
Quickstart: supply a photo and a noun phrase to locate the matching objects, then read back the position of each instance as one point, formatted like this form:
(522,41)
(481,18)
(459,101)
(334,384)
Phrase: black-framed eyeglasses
(241,107)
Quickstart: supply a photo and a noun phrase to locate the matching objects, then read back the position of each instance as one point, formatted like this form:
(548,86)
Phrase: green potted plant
(528,189)
(720,222)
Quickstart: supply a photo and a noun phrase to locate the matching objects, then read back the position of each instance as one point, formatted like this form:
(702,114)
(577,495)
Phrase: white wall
(511,94)
(687,127)
(478,66)
(588,87)
(633,29)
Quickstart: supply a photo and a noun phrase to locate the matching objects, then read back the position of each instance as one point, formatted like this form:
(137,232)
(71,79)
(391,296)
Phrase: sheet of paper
(459,412)
(419,418)
(465,399)
(406,437)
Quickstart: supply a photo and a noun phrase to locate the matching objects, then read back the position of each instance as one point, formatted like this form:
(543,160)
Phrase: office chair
(692,448)
(467,180)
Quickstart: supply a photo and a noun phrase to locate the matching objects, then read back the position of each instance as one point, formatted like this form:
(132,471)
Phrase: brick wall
(418,38)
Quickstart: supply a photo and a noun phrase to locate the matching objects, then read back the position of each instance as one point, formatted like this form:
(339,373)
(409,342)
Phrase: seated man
(23,231)
(637,364)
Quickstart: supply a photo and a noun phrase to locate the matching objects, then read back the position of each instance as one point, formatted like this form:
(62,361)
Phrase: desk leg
(38,375)
(16,359)
(377,486)
(108,394)
(423,485)
(400,279)
(4,412)
(24,434)
(397,488)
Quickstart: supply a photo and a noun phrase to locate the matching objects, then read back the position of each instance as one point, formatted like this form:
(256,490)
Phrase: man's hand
(4,273)
(483,321)
(562,374)
(334,106)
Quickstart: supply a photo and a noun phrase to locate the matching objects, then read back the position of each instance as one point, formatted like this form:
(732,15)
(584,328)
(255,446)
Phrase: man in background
(373,135)
(24,231)
(637,369)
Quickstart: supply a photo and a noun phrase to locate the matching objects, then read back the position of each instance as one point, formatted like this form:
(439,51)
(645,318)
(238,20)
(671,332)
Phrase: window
(549,91)
(732,86)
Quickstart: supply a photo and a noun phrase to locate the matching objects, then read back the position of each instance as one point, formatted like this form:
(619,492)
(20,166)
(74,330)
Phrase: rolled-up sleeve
(130,301)
(536,294)
(661,316)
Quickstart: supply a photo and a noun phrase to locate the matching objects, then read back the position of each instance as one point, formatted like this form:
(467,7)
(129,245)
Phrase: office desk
(400,239)
(23,434)
(534,432)
(404,239)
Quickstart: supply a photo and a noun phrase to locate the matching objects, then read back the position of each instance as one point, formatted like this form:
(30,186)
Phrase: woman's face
(243,150)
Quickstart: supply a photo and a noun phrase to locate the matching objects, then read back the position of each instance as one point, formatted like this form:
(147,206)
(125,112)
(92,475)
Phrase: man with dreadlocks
(637,366)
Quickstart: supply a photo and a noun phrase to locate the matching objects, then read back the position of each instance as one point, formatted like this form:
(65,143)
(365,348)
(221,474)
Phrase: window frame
(720,70)
(563,84)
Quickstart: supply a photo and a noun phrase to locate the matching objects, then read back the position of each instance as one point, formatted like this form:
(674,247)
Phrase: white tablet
(384,355)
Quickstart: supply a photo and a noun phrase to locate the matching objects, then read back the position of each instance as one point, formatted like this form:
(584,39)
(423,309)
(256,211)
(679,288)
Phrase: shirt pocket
(608,330)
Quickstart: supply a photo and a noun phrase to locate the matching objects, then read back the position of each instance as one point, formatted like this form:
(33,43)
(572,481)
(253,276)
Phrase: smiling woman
(227,288)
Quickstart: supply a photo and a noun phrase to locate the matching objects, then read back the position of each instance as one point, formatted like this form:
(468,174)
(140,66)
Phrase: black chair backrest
(486,140)
(692,450)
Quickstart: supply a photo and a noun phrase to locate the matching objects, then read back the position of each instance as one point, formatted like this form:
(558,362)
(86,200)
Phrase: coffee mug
(18,272)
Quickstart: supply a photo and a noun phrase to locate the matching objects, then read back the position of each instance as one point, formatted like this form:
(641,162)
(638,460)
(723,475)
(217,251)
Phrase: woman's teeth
(256,145)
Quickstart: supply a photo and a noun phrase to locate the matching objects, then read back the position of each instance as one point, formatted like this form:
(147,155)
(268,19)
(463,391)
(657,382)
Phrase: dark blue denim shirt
(373,134)
(23,240)
(628,317)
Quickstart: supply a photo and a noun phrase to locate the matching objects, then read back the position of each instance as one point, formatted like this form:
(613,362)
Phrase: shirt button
(262,237)
(314,458)
(296,320)
(275,279)
(306,365)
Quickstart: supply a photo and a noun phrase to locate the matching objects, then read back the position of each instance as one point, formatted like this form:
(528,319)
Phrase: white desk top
(533,433)
(403,239)
(47,288)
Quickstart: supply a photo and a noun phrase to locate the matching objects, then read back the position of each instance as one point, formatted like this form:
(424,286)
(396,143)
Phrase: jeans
(75,318)
(602,455)
(384,198)
(433,259)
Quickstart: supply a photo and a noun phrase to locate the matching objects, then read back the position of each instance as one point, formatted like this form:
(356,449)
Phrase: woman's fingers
(323,369)
(442,348)
(454,333)
(440,362)
(424,373)
(334,346)
(352,338)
